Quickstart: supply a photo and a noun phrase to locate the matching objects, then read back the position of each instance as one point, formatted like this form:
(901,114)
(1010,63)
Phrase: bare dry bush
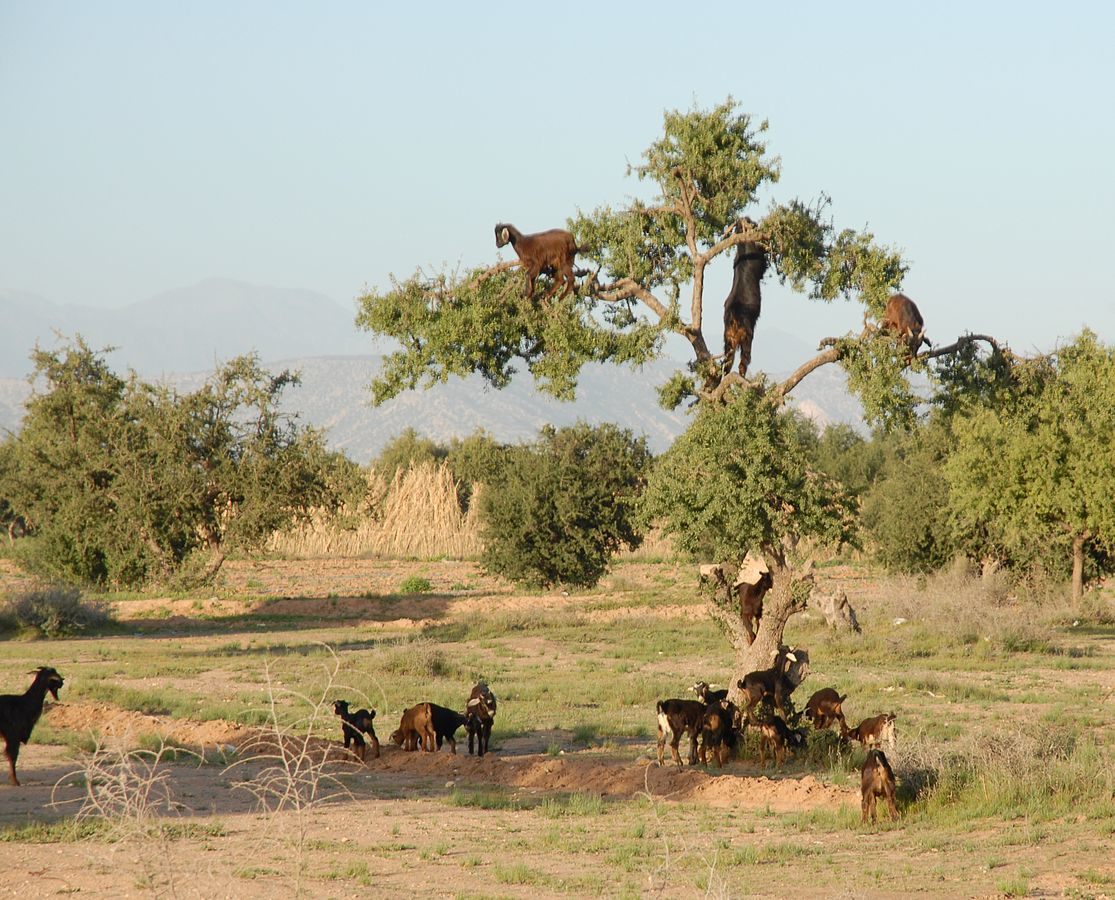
(417,514)
(129,791)
(290,771)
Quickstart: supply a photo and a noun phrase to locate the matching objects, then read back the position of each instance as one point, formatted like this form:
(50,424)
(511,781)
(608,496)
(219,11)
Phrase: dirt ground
(508,824)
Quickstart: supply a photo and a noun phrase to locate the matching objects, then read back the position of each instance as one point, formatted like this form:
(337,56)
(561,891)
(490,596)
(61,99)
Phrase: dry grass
(416,515)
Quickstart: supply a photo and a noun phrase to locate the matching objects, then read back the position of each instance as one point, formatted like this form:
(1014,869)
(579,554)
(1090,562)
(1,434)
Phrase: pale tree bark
(788,595)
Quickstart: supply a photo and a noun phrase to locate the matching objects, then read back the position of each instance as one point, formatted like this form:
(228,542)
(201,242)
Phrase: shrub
(415,584)
(56,612)
(557,511)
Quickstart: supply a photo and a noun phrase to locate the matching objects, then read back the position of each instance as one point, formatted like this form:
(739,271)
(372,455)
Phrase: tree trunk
(788,595)
(1078,566)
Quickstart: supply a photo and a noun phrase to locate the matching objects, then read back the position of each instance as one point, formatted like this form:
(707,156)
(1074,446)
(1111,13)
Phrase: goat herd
(713,722)
(718,725)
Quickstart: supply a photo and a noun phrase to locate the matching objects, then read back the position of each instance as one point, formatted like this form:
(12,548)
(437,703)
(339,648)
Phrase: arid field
(1005,709)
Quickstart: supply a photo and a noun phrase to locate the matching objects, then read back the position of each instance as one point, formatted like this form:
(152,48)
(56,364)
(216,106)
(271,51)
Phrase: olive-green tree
(557,510)
(1038,469)
(128,482)
(646,274)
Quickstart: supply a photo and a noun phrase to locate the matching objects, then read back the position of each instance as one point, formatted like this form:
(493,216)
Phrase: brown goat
(902,318)
(744,301)
(675,718)
(778,737)
(872,732)
(876,780)
(547,252)
(823,708)
(718,732)
(416,729)
(751,603)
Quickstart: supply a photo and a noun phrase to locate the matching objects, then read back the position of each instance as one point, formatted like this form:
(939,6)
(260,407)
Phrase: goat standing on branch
(903,319)
(545,253)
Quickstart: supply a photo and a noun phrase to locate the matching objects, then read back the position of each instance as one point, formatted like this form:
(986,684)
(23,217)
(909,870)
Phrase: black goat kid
(352,724)
(20,712)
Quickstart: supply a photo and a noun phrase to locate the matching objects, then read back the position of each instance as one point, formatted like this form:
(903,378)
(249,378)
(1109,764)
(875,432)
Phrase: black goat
(744,301)
(718,732)
(675,718)
(547,252)
(446,722)
(20,712)
(707,695)
(352,724)
(480,713)
(775,683)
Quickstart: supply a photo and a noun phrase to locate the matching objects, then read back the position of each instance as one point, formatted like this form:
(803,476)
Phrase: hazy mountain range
(181,335)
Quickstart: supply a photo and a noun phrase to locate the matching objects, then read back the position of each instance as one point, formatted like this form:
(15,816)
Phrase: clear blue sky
(146,146)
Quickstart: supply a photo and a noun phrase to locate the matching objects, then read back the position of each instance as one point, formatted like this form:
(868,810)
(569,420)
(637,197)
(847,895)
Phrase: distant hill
(181,336)
(334,396)
(184,330)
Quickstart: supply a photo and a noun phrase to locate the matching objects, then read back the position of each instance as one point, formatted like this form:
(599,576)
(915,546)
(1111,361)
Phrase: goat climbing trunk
(789,594)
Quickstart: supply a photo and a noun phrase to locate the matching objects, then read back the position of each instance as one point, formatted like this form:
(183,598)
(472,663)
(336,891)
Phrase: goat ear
(791,657)
(504,235)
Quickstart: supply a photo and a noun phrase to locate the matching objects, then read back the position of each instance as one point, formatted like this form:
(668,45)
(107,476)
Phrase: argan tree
(1037,470)
(127,482)
(647,264)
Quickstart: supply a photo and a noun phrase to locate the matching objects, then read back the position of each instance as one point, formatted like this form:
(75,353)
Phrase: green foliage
(812,257)
(557,511)
(1036,473)
(740,479)
(128,482)
(906,510)
(55,612)
(406,449)
(415,584)
(876,370)
(706,171)
(844,454)
(480,323)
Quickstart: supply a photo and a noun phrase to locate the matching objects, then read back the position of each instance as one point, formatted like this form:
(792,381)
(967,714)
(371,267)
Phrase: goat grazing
(416,729)
(550,252)
(675,718)
(902,318)
(823,708)
(707,695)
(480,712)
(775,683)
(718,732)
(446,722)
(873,732)
(778,737)
(876,780)
(744,301)
(20,712)
(354,725)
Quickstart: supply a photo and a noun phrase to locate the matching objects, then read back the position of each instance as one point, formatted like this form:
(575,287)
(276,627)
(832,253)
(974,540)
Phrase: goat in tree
(547,252)
(744,301)
(903,319)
